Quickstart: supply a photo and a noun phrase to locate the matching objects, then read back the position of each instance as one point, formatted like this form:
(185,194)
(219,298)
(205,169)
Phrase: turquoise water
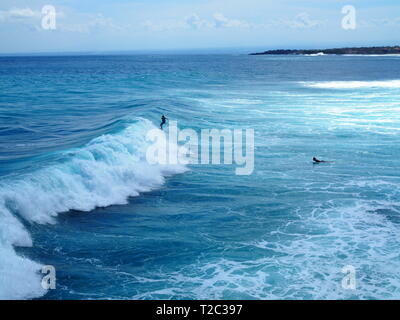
(77,193)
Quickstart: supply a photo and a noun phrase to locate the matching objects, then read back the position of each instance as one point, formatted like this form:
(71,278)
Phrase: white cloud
(16,14)
(193,21)
(24,18)
(67,20)
(384,22)
(85,23)
(164,25)
(301,21)
(221,21)
(23,13)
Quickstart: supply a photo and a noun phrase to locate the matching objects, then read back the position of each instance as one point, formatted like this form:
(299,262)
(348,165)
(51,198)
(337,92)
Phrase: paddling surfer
(315,160)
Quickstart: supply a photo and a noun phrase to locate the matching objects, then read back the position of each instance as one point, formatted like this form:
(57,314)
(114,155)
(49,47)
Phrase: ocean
(77,193)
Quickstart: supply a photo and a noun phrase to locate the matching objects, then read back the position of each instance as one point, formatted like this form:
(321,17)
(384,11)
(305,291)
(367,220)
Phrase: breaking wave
(107,171)
(353,84)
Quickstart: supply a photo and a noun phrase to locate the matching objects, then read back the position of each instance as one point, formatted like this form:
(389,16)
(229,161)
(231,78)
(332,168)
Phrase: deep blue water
(76,193)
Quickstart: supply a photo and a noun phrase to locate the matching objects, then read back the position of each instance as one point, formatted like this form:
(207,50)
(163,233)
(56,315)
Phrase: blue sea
(77,193)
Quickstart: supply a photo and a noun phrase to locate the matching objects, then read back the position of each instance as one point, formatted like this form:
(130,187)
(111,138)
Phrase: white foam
(315,54)
(302,259)
(106,171)
(19,276)
(353,84)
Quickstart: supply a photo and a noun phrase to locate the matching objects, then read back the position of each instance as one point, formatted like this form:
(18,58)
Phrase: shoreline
(335,51)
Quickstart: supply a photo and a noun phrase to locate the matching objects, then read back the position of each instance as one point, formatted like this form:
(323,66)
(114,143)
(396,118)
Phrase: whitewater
(106,171)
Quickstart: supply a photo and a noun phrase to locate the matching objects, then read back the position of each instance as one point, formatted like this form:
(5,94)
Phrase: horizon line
(211,50)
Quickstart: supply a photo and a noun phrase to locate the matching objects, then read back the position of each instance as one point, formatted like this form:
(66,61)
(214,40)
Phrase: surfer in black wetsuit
(315,160)
(163,121)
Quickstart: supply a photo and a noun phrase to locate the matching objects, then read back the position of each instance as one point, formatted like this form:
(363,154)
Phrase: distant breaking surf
(353,84)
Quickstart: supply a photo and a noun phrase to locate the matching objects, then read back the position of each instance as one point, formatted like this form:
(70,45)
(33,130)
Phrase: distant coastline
(339,51)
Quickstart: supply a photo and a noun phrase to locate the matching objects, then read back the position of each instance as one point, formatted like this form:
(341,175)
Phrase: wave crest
(107,171)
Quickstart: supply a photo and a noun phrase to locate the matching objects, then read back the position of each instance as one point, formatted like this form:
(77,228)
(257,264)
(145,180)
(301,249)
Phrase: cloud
(164,25)
(18,14)
(301,21)
(24,18)
(67,20)
(220,21)
(384,22)
(86,23)
(23,13)
(193,21)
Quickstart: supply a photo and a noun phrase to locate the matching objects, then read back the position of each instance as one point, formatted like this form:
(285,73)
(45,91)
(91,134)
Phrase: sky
(26,26)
